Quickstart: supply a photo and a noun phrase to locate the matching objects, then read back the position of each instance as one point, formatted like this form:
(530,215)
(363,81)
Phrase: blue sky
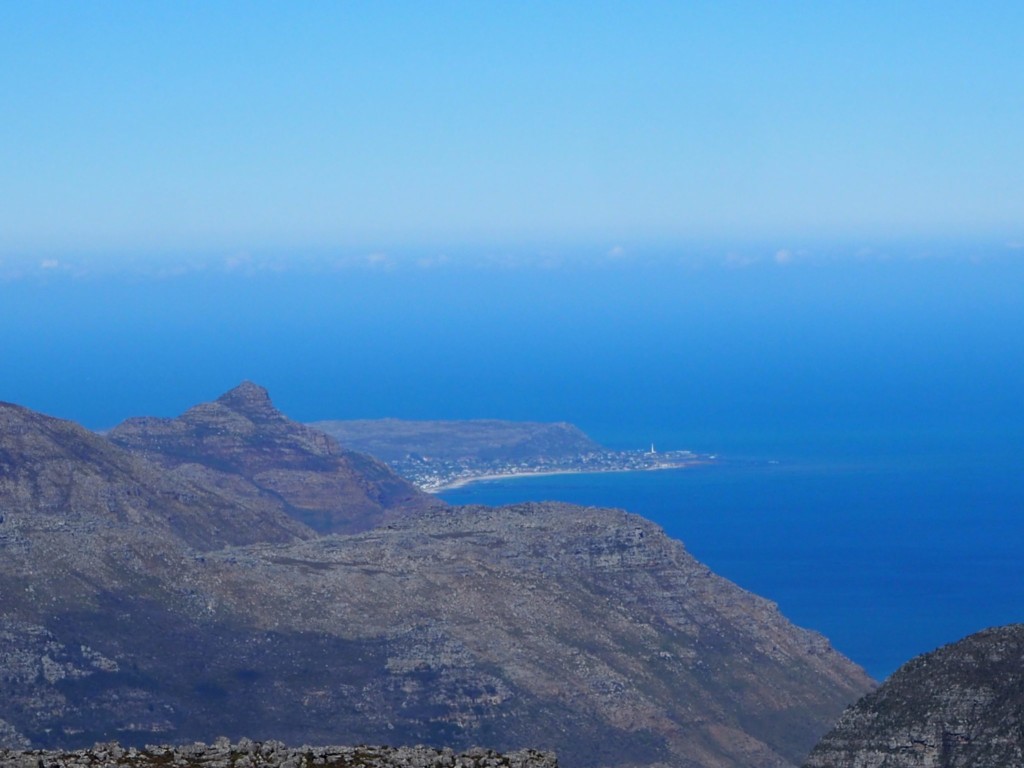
(229,127)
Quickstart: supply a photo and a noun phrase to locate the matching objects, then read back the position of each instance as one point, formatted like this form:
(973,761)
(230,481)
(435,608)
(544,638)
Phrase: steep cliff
(961,706)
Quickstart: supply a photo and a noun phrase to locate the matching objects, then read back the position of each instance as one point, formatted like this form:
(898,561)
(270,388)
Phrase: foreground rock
(583,631)
(273,754)
(243,445)
(961,706)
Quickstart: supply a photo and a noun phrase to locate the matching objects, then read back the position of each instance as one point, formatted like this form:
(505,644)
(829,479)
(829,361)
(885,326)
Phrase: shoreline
(462,482)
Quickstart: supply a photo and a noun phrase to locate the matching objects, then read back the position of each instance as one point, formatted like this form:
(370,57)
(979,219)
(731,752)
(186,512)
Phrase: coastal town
(440,474)
(440,455)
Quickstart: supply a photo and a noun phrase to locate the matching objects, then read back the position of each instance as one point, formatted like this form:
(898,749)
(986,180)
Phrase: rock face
(961,706)
(139,604)
(582,630)
(60,479)
(243,445)
(272,754)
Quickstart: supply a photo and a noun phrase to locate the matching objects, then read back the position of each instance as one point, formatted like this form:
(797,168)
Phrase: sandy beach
(464,481)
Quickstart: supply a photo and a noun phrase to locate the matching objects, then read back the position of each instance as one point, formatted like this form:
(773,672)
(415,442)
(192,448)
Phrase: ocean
(866,410)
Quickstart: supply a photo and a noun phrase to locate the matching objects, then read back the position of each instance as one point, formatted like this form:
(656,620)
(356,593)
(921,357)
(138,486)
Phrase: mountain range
(233,573)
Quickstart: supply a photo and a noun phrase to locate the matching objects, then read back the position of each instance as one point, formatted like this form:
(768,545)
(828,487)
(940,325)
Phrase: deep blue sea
(866,409)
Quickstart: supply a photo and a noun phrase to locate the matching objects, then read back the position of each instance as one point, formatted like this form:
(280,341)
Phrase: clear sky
(130,126)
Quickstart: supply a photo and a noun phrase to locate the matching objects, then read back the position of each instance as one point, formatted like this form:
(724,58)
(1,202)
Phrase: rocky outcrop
(961,706)
(242,445)
(272,754)
(58,477)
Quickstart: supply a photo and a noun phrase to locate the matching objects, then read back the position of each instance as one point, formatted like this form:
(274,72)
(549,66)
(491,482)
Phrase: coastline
(462,482)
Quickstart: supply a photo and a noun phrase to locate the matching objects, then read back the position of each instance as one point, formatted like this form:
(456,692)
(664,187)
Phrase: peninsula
(439,455)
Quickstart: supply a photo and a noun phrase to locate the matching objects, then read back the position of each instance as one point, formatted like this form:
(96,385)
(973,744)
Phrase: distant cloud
(237,261)
(868,252)
(511,261)
(740,260)
(173,270)
(432,262)
(246,264)
(380,261)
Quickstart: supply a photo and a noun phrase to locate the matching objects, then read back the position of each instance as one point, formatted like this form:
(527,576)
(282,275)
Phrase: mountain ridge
(43,457)
(241,442)
(586,631)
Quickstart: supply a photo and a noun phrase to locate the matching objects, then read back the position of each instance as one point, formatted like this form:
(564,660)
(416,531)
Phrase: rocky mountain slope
(58,477)
(139,604)
(961,706)
(88,532)
(243,445)
(586,631)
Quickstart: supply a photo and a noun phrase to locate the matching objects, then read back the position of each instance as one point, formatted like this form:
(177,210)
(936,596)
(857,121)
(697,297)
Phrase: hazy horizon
(890,339)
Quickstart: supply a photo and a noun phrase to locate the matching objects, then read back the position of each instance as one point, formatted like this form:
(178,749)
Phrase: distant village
(433,475)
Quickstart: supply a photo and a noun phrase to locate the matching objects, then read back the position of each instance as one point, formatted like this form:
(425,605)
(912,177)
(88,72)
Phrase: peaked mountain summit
(251,399)
(56,473)
(244,445)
